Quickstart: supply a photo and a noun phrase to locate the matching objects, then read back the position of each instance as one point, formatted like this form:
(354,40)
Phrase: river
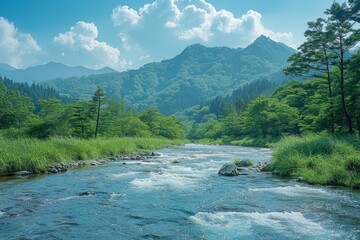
(165,200)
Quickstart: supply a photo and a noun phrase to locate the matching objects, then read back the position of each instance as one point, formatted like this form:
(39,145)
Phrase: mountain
(48,71)
(195,75)
(6,67)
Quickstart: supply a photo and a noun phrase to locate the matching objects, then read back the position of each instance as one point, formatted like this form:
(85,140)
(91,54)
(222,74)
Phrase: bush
(321,159)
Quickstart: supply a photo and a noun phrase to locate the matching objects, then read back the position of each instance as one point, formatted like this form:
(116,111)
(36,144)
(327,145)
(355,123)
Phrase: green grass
(36,155)
(319,159)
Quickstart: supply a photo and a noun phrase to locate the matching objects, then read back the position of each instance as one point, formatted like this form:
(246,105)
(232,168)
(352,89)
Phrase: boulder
(155,154)
(53,170)
(82,194)
(22,173)
(228,169)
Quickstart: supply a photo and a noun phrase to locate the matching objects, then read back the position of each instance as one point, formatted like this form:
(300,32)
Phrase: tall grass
(36,155)
(320,159)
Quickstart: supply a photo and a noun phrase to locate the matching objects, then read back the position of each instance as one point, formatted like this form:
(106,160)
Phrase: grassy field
(36,155)
(319,159)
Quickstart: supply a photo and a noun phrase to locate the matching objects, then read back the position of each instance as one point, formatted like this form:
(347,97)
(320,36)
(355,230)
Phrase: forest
(78,118)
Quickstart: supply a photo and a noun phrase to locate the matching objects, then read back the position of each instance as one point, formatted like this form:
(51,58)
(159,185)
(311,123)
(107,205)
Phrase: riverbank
(319,159)
(37,156)
(245,141)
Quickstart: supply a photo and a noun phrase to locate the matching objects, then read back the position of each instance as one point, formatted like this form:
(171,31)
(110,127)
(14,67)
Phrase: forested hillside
(326,101)
(192,77)
(35,91)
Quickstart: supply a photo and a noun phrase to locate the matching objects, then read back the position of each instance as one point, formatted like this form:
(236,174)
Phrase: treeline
(34,91)
(210,120)
(328,100)
(98,116)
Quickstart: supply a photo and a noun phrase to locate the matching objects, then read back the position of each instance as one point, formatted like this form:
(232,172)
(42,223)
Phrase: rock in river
(22,173)
(228,169)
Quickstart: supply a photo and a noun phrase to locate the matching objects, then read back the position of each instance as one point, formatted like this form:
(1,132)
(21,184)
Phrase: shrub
(321,159)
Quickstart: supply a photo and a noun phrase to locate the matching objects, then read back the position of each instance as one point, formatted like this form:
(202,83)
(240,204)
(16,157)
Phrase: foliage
(81,118)
(321,159)
(35,91)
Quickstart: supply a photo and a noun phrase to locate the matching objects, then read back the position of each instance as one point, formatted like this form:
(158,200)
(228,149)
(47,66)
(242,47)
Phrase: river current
(161,199)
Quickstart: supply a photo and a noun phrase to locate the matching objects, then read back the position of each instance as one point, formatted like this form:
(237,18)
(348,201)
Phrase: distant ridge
(48,71)
(197,74)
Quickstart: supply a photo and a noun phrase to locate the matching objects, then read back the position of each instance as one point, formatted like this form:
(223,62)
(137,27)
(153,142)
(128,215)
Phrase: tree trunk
(97,117)
(342,90)
(332,126)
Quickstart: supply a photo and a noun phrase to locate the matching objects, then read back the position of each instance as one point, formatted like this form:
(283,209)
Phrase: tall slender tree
(343,36)
(314,59)
(98,100)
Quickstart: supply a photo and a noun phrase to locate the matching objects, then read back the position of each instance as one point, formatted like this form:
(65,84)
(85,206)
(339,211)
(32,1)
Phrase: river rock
(94,163)
(228,169)
(53,170)
(155,154)
(82,194)
(22,173)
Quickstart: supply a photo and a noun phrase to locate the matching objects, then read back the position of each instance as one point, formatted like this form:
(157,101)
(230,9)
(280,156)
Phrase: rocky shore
(63,167)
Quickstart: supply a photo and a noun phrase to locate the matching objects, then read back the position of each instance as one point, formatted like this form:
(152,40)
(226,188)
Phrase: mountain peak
(265,40)
(194,47)
(270,50)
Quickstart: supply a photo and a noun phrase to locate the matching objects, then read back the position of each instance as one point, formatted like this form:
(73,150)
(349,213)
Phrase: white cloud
(80,46)
(164,27)
(123,14)
(17,49)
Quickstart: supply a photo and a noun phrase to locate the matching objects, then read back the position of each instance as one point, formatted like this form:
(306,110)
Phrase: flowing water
(166,200)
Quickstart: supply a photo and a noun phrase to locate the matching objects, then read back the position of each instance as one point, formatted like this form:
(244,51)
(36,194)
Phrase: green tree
(354,89)
(98,100)
(15,108)
(269,117)
(150,116)
(315,59)
(343,37)
(81,118)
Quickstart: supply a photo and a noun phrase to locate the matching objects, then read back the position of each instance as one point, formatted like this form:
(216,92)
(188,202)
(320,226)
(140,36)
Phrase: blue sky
(125,34)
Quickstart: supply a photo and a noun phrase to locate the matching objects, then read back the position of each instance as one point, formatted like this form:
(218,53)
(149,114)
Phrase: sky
(126,34)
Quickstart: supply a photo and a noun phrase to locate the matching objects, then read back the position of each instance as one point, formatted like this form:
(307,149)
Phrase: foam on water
(166,179)
(114,196)
(242,222)
(121,175)
(292,191)
(68,198)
